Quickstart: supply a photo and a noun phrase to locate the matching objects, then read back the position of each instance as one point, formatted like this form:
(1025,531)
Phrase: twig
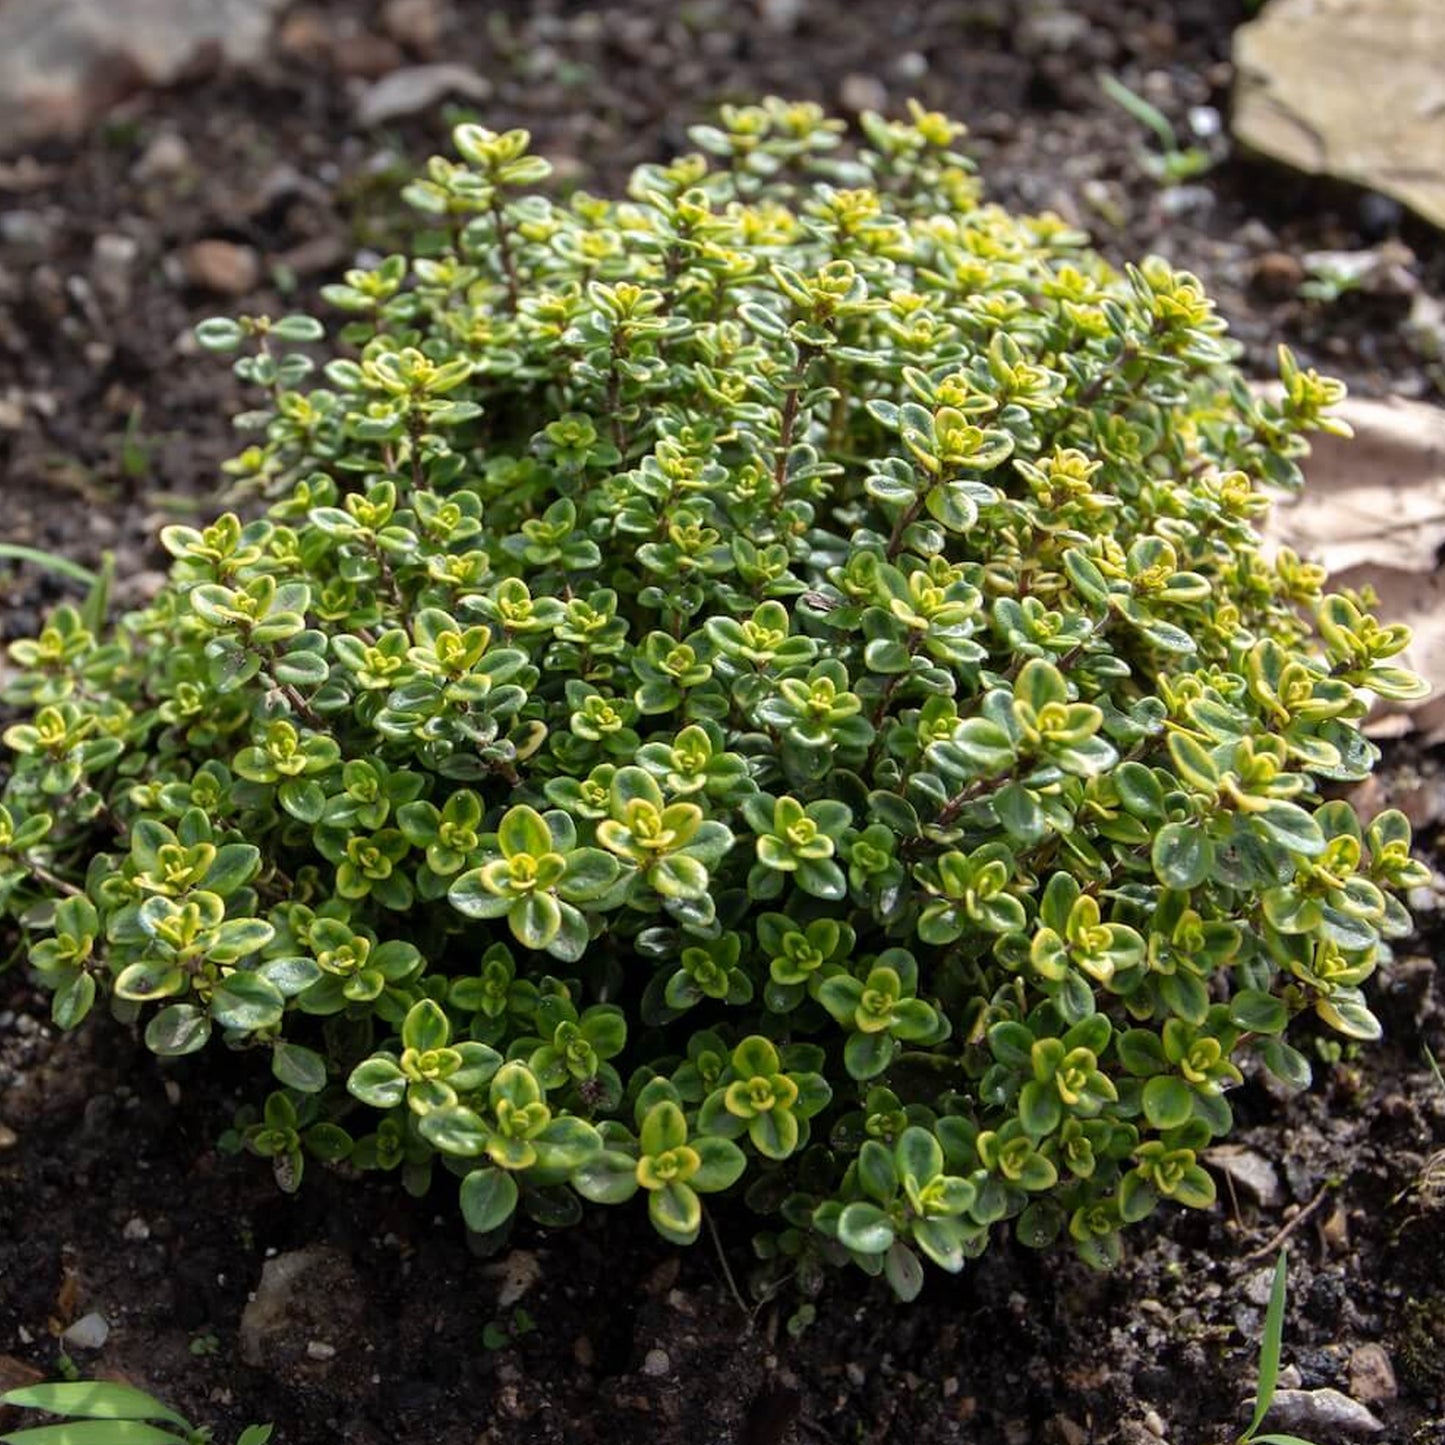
(53,880)
(727,1269)
(1281,1235)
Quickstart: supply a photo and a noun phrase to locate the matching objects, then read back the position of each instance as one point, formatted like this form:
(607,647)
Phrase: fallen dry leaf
(1373,513)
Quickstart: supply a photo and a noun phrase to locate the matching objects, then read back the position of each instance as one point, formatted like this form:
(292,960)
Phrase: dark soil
(113,1197)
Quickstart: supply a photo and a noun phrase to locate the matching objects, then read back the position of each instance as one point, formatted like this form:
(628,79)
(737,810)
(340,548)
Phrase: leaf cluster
(769,682)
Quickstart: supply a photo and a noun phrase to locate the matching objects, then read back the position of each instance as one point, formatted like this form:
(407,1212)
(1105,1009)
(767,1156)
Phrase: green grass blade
(1434,1067)
(1140,109)
(1270,1346)
(63,566)
(97,601)
(93,1400)
(94,1432)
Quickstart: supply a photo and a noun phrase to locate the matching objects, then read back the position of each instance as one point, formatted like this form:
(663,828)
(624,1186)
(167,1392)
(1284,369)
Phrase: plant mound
(771,682)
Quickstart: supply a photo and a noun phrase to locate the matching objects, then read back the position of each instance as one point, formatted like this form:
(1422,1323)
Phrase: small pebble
(781,16)
(1277,274)
(320,1350)
(223,267)
(656,1364)
(89,1332)
(1372,1376)
(862,92)
(165,157)
(1322,1414)
(417,23)
(8,1137)
(136,1230)
(911,65)
(1251,1173)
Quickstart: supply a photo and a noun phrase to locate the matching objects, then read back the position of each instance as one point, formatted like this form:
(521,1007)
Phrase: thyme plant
(769,684)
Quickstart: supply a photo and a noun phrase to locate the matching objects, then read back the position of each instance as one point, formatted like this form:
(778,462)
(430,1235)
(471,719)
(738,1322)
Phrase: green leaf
(663,1127)
(299,1068)
(488,1198)
(454,1130)
(1271,1344)
(524,830)
(1258,1012)
(1292,827)
(180,1029)
(94,1432)
(535,921)
(865,1056)
(567,1143)
(378,1082)
(426,1027)
(73,1001)
(1040,1109)
(865,1228)
(1168,1101)
(93,1400)
(919,1155)
(247,1001)
(1182,855)
(722,1164)
(676,1212)
(611,1177)
(903,1271)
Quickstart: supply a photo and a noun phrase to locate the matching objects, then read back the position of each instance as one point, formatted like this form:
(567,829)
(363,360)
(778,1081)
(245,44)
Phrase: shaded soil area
(113,1196)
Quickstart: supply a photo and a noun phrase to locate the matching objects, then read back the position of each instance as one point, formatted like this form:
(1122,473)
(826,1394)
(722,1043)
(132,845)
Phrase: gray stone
(656,1363)
(223,267)
(1322,1414)
(862,92)
(417,23)
(1353,89)
(112,267)
(64,63)
(1372,1376)
(1051,29)
(89,1332)
(416,88)
(1248,1171)
(166,157)
(26,230)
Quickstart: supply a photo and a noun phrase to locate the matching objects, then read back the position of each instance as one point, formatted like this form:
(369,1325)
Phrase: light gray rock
(1321,1414)
(416,88)
(860,92)
(1247,1171)
(63,63)
(1353,89)
(89,1332)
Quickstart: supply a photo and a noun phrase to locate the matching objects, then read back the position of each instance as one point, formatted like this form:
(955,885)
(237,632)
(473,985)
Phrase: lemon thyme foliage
(772,681)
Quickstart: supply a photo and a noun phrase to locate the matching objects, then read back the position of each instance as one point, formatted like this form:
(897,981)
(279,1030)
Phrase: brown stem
(979,788)
(53,880)
(614,395)
(504,252)
(906,518)
(788,423)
